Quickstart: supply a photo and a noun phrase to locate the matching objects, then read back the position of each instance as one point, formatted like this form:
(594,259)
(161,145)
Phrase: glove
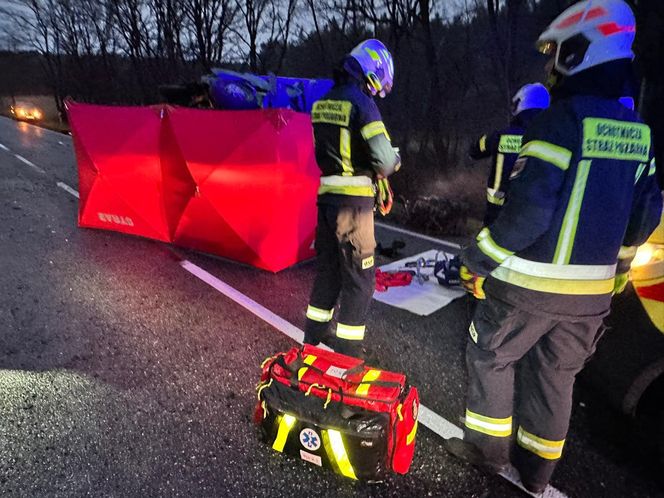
(472,282)
(620,282)
(385,196)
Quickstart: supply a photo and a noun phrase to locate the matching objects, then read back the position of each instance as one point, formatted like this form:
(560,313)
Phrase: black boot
(349,348)
(471,454)
(316,332)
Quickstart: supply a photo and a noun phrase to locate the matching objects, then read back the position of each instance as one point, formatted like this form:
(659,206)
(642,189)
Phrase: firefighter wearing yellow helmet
(582,197)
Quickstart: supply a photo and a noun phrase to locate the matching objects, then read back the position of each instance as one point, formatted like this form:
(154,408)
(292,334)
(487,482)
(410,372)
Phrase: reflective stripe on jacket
(583,187)
(351,142)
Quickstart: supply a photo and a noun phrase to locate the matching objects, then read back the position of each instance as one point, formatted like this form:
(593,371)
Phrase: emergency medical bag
(334,411)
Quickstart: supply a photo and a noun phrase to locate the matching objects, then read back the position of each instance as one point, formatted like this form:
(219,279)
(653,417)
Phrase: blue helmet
(376,66)
(531,96)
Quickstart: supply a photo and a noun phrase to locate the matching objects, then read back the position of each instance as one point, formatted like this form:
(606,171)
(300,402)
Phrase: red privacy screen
(239,184)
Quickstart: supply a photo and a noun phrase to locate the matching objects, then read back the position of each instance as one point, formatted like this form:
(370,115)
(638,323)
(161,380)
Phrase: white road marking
(29,163)
(67,188)
(3,147)
(415,234)
(427,417)
(246,302)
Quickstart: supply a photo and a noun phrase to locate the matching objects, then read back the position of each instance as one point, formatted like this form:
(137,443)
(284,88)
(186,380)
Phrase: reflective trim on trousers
(319,315)
(350,332)
(544,448)
(497,427)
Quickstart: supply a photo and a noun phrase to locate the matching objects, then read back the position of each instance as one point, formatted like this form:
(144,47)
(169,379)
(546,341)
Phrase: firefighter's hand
(620,282)
(472,282)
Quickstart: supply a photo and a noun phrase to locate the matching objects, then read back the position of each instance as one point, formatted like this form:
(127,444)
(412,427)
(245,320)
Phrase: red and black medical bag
(334,411)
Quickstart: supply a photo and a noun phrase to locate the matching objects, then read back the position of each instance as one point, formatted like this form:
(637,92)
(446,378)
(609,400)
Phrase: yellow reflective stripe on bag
(370,376)
(285,425)
(544,448)
(411,435)
(497,427)
(307,361)
(336,444)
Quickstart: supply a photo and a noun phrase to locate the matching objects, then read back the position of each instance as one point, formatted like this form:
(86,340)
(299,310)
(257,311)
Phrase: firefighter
(582,197)
(355,156)
(504,145)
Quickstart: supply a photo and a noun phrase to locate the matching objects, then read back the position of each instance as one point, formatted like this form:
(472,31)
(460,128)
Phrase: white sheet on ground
(419,299)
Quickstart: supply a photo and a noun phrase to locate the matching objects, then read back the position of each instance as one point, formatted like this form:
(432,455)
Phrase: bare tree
(252,12)
(210,22)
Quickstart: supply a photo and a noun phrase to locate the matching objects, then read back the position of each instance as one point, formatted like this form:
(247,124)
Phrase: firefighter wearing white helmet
(355,156)
(582,197)
(504,145)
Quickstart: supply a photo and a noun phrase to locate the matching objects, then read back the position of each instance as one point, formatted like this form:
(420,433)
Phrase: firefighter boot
(316,332)
(471,454)
(349,348)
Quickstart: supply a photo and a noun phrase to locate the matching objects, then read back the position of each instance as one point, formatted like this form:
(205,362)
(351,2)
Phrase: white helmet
(531,96)
(589,33)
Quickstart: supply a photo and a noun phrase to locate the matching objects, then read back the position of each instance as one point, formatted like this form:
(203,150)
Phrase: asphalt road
(123,375)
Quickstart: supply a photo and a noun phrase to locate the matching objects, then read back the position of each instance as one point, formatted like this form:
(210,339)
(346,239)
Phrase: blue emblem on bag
(309,439)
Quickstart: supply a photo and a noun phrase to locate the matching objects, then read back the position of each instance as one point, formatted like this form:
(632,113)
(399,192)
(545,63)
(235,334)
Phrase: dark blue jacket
(503,147)
(352,145)
(583,196)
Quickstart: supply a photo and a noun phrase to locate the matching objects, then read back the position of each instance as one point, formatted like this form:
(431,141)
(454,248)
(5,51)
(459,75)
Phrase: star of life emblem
(309,439)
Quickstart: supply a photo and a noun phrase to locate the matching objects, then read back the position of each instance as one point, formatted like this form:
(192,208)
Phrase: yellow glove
(385,196)
(620,282)
(472,282)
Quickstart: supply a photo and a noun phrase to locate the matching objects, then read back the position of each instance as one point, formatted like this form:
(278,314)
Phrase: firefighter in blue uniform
(582,197)
(355,156)
(503,146)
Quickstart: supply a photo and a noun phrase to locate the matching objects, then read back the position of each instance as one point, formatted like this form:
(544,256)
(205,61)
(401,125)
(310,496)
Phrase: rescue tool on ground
(583,198)
(334,411)
(355,156)
(503,146)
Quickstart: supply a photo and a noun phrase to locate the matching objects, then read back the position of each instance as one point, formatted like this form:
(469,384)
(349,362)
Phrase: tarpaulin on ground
(238,184)
(420,298)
